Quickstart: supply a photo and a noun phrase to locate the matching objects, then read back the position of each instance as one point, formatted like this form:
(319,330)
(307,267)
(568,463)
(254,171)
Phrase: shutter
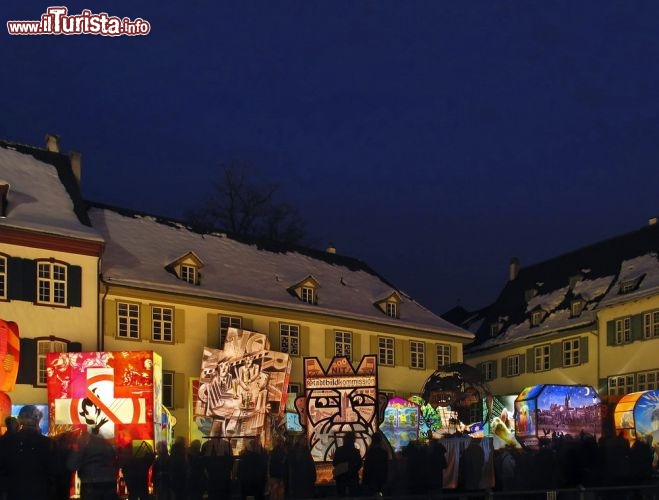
(522,364)
(179,390)
(611,332)
(637,327)
(504,373)
(74,286)
(248,324)
(305,340)
(110,318)
(179,326)
(556,355)
(530,360)
(454,354)
(213,330)
(329,343)
(426,356)
(401,352)
(146,330)
(74,347)
(27,367)
(494,369)
(583,350)
(29,280)
(373,345)
(15,278)
(356,347)
(274,335)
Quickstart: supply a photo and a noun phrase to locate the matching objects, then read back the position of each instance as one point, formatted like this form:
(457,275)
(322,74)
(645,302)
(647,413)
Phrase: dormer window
(390,305)
(494,329)
(536,317)
(189,273)
(629,286)
(576,307)
(306,290)
(186,268)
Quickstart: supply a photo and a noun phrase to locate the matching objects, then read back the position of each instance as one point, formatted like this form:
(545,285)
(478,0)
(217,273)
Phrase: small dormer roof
(187,256)
(392,296)
(309,280)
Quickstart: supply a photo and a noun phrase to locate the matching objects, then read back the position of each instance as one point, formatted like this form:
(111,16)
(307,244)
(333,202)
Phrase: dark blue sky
(432,139)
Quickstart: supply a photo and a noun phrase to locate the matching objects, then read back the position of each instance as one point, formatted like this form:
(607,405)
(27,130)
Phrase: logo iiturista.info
(56,21)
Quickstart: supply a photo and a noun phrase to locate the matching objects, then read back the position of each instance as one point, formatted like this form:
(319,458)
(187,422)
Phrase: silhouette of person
(471,465)
(135,469)
(27,459)
(97,466)
(278,470)
(302,470)
(197,477)
(376,466)
(252,471)
(347,461)
(218,460)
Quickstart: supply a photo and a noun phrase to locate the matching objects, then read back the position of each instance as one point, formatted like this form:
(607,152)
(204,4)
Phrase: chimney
(331,248)
(75,157)
(4,194)
(52,143)
(652,221)
(514,269)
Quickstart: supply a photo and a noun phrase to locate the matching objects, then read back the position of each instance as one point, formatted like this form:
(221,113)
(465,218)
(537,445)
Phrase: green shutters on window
(179,326)
(110,318)
(530,359)
(305,340)
(273,329)
(556,355)
(146,325)
(329,343)
(373,345)
(611,332)
(179,390)
(213,330)
(74,286)
(356,347)
(637,327)
(583,350)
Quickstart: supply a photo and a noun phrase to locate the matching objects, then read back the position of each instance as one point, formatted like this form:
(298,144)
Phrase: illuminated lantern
(9,355)
(5,407)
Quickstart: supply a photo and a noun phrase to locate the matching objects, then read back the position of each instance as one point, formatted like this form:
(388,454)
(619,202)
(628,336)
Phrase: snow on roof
(549,301)
(37,199)
(592,289)
(139,247)
(644,267)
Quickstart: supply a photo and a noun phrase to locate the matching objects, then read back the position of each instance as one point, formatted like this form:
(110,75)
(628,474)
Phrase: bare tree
(242,206)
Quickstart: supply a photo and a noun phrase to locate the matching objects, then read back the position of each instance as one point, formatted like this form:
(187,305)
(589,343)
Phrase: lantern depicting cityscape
(544,411)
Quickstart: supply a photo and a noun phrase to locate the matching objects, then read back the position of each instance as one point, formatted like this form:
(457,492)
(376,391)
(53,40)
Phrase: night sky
(432,139)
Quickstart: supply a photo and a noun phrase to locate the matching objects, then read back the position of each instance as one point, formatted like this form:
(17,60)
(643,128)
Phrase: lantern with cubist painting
(9,355)
(115,395)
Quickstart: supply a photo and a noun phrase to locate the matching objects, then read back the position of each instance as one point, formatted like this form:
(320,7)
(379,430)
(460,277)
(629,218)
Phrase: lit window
(386,351)
(647,381)
(343,344)
(307,295)
(227,322)
(417,354)
(43,348)
(487,369)
(51,283)
(443,355)
(624,330)
(621,385)
(289,337)
(128,320)
(189,274)
(162,323)
(651,324)
(3,277)
(542,358)
(512,366)
(536,318)
(391,309)
(571,352)
(576,307)
(629,286)
(168,389)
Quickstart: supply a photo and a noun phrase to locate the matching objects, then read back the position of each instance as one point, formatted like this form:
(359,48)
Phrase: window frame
(647,380)
(386,351)
(542,358)
(343,339)
(41,366)
(163,325)
(225,322)
(171,385)
(391,309)
(651,324)
(443,356)
(189,273)
(417,354)
(487,369)
(128,322)
(290,332)
(576,308)
(308,294)
(623,330)
(55,286)
(536,318)
(4,262)
(513,365)
(571,352)
(615,388)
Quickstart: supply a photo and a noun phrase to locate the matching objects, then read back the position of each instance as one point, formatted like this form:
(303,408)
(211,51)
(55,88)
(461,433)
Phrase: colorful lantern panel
(401,422)
(500,421)
(636,416)
(10,347)
(5,410)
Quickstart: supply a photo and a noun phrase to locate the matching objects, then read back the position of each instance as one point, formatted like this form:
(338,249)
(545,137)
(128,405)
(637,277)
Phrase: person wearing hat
(26,458)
